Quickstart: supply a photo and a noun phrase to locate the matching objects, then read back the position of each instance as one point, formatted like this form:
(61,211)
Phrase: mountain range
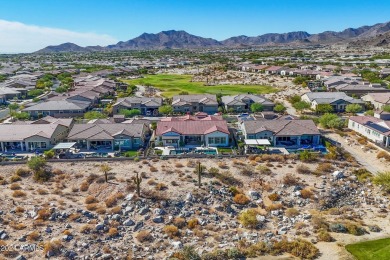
(376,35)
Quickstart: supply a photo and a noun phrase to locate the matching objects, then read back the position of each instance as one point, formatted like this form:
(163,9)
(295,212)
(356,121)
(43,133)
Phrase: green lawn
(173,84)
(371,250)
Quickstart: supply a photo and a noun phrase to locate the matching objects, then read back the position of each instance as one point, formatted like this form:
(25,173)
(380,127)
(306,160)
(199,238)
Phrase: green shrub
(248,218)
(383,179)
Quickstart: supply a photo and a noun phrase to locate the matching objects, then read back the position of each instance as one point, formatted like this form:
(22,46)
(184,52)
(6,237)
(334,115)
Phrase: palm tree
(105,168)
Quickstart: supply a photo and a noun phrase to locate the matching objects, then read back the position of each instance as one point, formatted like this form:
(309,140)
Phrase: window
(211,140)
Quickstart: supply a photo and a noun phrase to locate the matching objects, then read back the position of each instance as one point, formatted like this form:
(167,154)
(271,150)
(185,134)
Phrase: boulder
(128,222)
(177,244)
(254,195)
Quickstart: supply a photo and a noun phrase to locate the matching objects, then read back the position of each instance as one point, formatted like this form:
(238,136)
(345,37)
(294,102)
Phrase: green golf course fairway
(172,85)
(371,250)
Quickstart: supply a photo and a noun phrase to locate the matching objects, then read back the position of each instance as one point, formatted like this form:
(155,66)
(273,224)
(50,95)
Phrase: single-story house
(375,129)
(243,102)
(112,136)
(16,137)
(206,103)
(282,133)
(192,131)
(147,106)
(338,100)
(58,108)
(378,100)
(8,93)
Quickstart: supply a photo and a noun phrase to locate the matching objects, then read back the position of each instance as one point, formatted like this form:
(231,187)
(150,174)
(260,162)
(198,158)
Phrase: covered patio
(256,145)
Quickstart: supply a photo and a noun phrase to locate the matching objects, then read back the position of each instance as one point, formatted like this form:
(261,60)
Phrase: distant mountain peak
(180,39)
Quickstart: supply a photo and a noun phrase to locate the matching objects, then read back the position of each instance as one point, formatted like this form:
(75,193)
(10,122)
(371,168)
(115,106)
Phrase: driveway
(366,158)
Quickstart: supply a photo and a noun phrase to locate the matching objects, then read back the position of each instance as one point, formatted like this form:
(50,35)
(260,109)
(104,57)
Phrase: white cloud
(16,37)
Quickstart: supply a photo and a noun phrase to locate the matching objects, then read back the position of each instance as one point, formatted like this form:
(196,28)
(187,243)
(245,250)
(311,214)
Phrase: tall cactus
(199,169)
(137,181)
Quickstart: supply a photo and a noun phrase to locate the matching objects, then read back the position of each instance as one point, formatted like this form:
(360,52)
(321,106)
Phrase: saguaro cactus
(199,170)
(137,180)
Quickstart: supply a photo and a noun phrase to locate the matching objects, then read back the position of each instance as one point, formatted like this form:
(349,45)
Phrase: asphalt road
(4,113)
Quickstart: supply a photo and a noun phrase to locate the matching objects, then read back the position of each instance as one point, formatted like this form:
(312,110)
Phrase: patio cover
(64,146)
(257,142)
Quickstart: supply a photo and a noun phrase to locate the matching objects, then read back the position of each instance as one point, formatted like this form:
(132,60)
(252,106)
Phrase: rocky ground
(77,215)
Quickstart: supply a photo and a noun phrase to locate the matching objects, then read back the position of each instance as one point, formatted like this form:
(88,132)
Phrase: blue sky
(101,21)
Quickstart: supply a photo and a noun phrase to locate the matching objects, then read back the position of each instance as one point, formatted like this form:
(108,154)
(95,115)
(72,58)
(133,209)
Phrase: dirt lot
(77,213)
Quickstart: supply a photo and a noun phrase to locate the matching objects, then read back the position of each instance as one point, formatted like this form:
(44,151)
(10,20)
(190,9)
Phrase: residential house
(273,70)
(58,108)
(147,106)
(338,100)
(42,134)
(243,102)
(112,136)
(375,129)
(7,94)
(195,103)
(282,132)
(378,100)
(192,131)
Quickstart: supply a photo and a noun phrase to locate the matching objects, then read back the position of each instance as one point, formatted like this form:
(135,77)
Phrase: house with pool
(110,136)
(282,132)
(192,131)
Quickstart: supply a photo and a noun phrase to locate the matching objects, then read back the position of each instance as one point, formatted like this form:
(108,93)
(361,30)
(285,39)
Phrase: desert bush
(19,209)
(92,206)
(234,190)
(42,175)
(307,156)
(42,191)
(274,207)
(246,171)
(188,252)
(192,223)
(113,232)
(274,196)
(179,222)
(290,180)
(84,186)
(248,218)
(291,212)
(362,140)
(172,231)
(33,236)
(86,229)
(324,236)
(325,167)
(53,246)
(263,169)
(241,199)
(144,236)
(227,178)
(223,165)
(22,172)
(303,169)
(151,182)
(113,199)
(161,186)
(383,154)
(116,210)
(15,186)
(362,174)
(319,223)
(355,229)
(383,179)
(43,214)
(179,165)
(90,199)
(18,194)
(306,194)
(15,178)
(17,226)
(101,210)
